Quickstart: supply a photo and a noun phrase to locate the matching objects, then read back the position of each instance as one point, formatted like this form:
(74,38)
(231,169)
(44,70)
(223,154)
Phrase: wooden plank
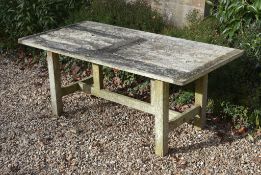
(83,85)
(66,90)
(164,58)
(201,100)
(124,100)
(173,114)
(55,82)
(177,120)
(160,103)
(97,77)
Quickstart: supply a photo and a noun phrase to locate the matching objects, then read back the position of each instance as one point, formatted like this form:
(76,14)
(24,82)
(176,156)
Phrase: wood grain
(201,99)
(160,103)
(55,82)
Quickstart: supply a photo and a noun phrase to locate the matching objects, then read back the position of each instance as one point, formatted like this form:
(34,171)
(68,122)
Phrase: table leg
(201,100)
(97,77)
(55,82)
(160,103)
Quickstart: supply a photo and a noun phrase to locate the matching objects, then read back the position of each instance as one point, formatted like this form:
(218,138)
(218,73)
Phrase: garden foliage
(241,18)
(23,17)
(135,15)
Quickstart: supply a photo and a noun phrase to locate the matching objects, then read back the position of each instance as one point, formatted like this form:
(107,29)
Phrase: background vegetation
(23,17)
(235,89)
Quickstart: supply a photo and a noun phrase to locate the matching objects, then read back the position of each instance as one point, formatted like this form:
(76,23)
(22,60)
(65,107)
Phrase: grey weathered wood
(173,114)
(69,89)
(83,85)
(164,58)
(55,82)
(177,120)
(201,100)
(160,103)
(124,100)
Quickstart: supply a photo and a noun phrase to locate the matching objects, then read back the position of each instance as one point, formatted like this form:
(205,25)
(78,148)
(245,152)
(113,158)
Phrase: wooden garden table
(164,59)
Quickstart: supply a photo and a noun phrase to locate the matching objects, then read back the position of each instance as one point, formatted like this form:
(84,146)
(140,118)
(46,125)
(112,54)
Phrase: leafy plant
(23,17)
(235,15)
(184,97)
(241,116)
(250,40)
(238,114)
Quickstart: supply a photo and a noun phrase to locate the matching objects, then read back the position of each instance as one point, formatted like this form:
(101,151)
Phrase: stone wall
(175,11)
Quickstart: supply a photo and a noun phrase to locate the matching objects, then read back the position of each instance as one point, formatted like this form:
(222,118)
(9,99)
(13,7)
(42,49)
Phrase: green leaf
(239,8)
(210,3)
(252,9)
(257,4)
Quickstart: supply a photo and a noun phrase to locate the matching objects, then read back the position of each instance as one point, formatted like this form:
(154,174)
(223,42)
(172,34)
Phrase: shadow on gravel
(223,135)
(101,106)
(211,142)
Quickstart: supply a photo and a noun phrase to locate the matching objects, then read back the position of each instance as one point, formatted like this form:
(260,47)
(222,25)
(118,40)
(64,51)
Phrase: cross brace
(86,85)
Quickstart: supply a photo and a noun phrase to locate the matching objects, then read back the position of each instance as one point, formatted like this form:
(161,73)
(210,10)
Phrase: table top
(169,59)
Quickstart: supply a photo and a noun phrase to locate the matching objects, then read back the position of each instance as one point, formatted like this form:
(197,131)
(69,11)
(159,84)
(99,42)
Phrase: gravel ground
(95,136)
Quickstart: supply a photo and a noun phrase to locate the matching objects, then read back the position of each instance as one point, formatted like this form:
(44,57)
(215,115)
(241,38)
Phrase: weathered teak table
(163,59)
